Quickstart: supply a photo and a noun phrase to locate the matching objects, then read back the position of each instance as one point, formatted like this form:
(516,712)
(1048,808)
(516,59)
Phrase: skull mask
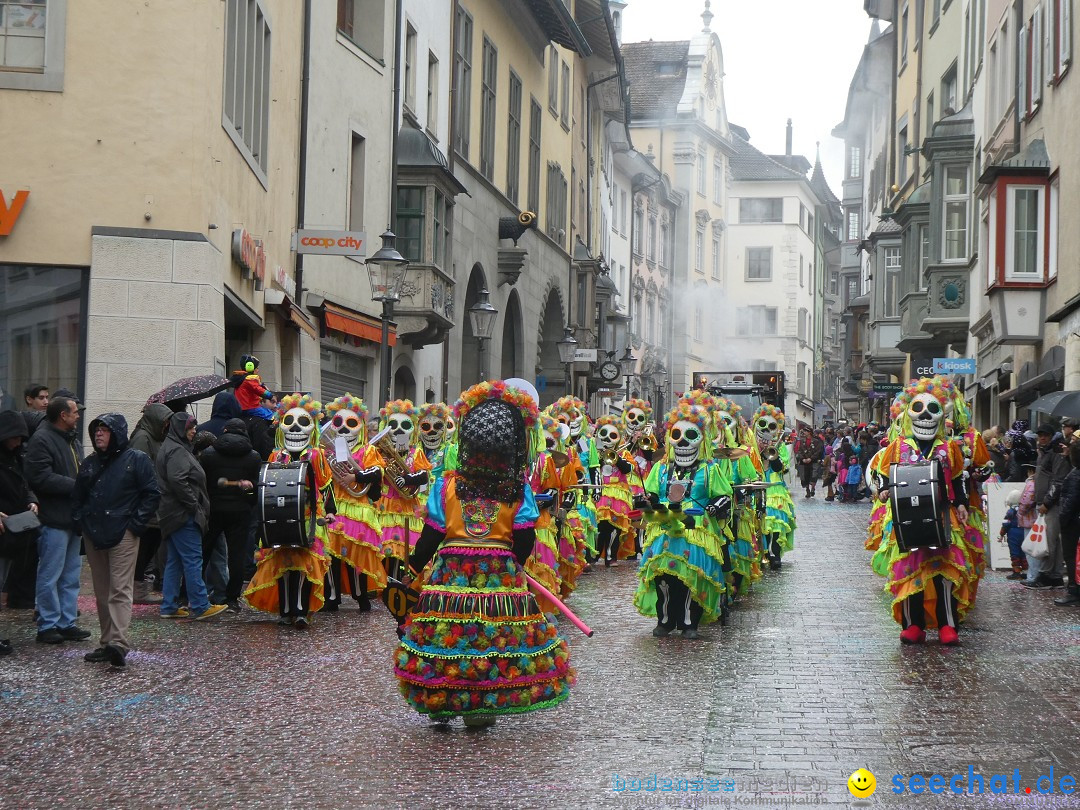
(553,440)
(433,432)
(401,431)
(607,438)
(726,419)
(297,426)
(685,439)
(576,422)
(635,420)
(767,429)
(349,426)
(926,414)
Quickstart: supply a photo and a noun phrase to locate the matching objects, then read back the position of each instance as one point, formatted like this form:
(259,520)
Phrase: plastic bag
(1035,542)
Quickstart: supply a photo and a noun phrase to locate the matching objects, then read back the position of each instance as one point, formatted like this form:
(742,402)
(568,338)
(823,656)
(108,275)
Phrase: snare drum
(287,494)
(920,507)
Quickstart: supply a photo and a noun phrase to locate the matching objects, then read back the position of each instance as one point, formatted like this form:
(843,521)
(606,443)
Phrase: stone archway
(550,371)
(470,345)
(404,384)
(513,341)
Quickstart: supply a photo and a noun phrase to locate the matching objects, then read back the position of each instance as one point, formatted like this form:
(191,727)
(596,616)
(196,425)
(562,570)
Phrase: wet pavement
(807,683)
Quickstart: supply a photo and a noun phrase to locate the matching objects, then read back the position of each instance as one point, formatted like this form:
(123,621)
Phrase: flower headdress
(403,406)
(770,410)
(937,387)
(347,402)
(485,475)
(549,424)
(438,410)
(686,411)
(609,419)
(305,401)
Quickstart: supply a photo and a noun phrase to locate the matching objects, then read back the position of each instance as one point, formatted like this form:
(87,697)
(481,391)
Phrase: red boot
(913,635)
(947,635)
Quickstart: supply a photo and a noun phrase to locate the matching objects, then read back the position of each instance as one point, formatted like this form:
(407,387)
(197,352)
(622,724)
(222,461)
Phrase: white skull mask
(401,431)
(297,425)
(553,440)
(685,438)
(451,426)
(766,429)
(349,426)
(926,414)
(577,422)
(433,432)
(607,438)
(635,420)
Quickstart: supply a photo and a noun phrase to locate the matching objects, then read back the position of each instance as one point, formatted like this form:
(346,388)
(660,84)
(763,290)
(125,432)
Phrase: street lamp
(386,271)
(482,317)
(567,351)
(627,364)
(659,378)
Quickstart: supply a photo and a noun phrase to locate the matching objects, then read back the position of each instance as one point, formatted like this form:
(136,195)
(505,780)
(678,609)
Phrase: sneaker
(74,633)
(5,647)
(179,613)
(115,656)
(660,632)
(1053,582)
(1070,598)
(1017,575)
(210,612)
(690,632)
(302,623)
(1036,583)
(233,605)
(51,636)
(98,656)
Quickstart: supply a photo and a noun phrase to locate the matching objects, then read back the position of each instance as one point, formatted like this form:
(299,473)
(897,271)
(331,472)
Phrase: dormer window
(668,68)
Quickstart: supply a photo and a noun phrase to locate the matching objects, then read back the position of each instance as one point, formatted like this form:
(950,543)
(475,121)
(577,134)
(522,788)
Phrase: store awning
(1030,390)
(357,324)
(299,319)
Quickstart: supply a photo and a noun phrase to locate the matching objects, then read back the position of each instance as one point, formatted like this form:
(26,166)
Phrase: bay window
(1023,232)
(955,210)
(892,291)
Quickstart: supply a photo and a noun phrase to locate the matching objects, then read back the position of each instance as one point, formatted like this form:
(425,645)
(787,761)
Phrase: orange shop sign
(9,214)
(248,252)
(330,243)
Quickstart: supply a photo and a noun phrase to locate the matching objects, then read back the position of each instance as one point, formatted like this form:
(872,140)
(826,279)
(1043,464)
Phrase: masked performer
(405,471)
(737,444)
(477,644)
(289,579)
(637,429)
(615,502)
(682,576)
(930,587)
(355,540)
(977,468)
(571,544)
(778,527)
(583,459)
(435,421)
(544,563)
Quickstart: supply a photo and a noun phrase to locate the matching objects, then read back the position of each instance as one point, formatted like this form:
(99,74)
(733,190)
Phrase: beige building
(159,156)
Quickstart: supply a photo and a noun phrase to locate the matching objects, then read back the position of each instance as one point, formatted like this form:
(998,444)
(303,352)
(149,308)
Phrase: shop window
(32,34)
(42,330)
(246,109)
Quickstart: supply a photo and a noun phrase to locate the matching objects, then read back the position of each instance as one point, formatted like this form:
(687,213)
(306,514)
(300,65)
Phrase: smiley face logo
(862,784)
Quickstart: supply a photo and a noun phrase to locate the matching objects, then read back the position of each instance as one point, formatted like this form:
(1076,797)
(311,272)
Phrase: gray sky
(782,59)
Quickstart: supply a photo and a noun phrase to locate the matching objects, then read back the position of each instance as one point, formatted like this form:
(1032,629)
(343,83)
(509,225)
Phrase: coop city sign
(249,253)
(330,243)
(10,213)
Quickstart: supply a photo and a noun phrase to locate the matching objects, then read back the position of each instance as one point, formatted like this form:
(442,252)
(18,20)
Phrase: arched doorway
(513,343)
(470,346)
(404,384)
(550,371)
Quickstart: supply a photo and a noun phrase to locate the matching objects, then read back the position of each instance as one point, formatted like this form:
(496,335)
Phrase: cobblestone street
(806,684)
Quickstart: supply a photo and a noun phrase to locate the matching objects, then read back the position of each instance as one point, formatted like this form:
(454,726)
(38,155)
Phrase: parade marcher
(147,437)
(638,430)
(571,544)
(545,564)
(583,461)
(354,539)
(232,468)
(434,421)
(405,471)
(51,463)
(682,577)
(930,586)
(290,580)
(116,495)
(183,513)
(778,526)
(740,445)
(16,498)
(477,644)
(614,505)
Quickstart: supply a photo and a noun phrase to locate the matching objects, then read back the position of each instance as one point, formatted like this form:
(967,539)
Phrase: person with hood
(232,467)
(183,515)
(226,407)
(147,437)
(115,496)
(15,496)
(52,461)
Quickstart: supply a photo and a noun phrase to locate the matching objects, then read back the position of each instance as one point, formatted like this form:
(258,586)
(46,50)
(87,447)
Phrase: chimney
(788,152)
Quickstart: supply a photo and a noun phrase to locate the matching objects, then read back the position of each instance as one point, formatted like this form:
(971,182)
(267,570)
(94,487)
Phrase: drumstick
(544,592)
(225,482)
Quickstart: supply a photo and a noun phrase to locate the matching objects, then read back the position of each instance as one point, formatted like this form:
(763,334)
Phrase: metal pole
(627,399)
(482,358)
(387,352)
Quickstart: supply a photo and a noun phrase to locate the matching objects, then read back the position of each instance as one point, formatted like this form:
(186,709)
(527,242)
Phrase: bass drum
(287,505)
(870,476)
(920,506)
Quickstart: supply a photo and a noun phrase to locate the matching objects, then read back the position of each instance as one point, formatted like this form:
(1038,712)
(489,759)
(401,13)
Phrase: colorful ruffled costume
(543,564)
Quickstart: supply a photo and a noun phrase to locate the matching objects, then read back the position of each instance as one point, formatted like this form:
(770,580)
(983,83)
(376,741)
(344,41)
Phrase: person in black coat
(115,496)
(15,497)
(232,467)
(1070,526)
